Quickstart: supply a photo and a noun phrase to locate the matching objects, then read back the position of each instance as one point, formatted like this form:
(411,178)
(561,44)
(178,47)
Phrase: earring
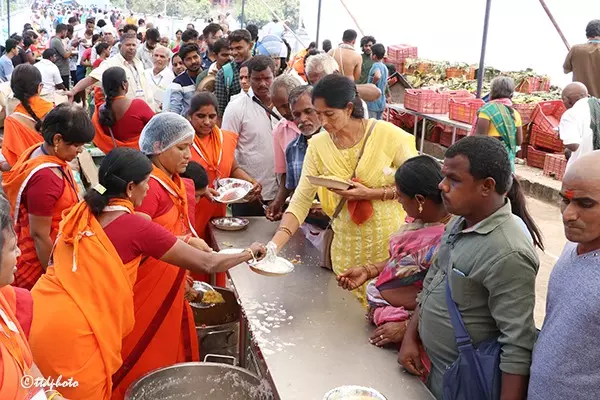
(55,148)
(420,208)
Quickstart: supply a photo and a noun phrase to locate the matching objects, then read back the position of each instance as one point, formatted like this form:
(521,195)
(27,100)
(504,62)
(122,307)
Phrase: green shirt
(496,295)
(367,63)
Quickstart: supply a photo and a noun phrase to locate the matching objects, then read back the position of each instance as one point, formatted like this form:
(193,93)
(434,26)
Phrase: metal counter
(312,334)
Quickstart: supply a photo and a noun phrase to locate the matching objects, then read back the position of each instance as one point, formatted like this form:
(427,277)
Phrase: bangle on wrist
(187,238)
(384,193)
(285,230)
(53,395)
(249,250)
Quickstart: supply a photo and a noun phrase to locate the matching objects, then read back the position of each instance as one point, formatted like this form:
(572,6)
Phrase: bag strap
(267,109)
(342,201)
(460,331)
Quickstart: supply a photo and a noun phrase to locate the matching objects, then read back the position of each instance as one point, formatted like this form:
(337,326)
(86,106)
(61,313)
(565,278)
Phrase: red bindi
(569,194)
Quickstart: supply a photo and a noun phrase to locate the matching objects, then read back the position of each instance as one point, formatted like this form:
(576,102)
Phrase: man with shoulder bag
(475,313)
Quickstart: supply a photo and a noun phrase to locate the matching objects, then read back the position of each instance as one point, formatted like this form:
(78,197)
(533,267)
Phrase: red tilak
(569,194)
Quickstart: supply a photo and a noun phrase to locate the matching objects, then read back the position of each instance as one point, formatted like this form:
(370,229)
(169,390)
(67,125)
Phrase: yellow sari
(354,245)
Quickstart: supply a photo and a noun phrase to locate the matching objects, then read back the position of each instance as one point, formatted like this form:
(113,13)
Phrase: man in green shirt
(367,62)
(488,254)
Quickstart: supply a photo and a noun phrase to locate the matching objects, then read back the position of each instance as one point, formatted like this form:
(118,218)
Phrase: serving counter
(307,334)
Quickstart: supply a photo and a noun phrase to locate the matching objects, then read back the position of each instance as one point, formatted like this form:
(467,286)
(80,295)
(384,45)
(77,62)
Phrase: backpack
(228,77)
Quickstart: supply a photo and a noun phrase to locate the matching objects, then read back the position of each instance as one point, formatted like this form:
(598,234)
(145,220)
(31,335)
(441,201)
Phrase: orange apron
(164,333)
(216,154)
(15,355)
(29,268)
(104,141)
(19,137)
(90,291)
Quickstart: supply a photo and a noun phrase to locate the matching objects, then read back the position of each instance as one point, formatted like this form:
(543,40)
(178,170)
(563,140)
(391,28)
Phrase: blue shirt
(294,159)
(179,94)
(6,68)
(378,105)
(206,61)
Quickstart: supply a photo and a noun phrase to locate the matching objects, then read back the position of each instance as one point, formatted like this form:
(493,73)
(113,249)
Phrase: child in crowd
(378,75)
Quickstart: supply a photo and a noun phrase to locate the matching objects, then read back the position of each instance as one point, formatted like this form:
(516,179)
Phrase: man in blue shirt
(6,65)
(180,92)
(378,75)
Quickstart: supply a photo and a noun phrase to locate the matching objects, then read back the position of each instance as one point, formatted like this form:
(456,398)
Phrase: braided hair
(112,85)
(25,82)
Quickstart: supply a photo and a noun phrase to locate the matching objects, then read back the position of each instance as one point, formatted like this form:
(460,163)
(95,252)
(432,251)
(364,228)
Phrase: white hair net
(164,131)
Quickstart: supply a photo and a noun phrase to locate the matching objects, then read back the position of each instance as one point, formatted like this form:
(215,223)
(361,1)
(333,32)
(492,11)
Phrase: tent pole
(481,72)
(318,22)
(243,13)
(8,17)
(562,36)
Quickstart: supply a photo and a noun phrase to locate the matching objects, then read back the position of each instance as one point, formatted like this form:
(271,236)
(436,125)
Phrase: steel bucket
(199,381)
(218,327)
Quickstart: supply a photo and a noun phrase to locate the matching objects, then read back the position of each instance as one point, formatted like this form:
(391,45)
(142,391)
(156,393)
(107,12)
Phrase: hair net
(271,46)
(164,131)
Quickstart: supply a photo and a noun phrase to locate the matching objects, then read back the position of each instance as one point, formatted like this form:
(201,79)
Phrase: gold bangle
(249,250)
(384,193)
(53,395)
(285,230)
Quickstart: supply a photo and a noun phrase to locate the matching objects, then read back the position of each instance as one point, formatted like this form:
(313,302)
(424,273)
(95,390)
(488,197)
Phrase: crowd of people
(411,238)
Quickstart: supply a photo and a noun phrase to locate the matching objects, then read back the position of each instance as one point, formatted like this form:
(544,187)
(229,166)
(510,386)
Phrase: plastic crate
(547,115)
(544,140)
(535,158)
(464,110)
(446,135)
(400,52)
(555,165)
(528,85)
(426,101)
(544,84)
(526,111)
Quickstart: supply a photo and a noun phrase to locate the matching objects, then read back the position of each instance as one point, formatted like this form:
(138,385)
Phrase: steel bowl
(230,223)
(354,393)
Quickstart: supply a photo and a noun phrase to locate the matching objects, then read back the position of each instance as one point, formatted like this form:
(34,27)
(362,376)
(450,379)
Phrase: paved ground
(548,218)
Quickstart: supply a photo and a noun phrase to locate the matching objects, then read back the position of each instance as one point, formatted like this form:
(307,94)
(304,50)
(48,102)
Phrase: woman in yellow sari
(369,214)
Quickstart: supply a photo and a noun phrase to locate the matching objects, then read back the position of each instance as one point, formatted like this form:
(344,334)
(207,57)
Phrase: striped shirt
(179,94)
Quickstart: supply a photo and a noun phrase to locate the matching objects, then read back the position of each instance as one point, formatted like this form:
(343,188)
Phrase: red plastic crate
(526,111)
(555,165)
(528,85)
(446,135)
(398,53)
(543,84)
(426,101)
(464,110)
(535,157)
(544,140)
(547,115)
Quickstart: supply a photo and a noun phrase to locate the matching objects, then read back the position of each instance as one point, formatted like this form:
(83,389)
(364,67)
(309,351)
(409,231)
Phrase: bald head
(580,207)
(574,92)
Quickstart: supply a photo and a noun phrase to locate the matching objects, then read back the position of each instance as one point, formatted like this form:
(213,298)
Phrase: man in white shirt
(575,125)
(160,76)
(138,86)
(253,117)
(51,79)
(144,52)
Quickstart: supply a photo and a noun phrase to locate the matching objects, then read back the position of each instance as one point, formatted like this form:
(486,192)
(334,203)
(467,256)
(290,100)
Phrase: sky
(520,33)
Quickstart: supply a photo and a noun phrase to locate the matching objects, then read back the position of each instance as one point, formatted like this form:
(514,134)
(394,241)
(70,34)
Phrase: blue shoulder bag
(475,375)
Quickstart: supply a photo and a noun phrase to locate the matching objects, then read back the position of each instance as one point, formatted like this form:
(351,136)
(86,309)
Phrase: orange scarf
(90,285)
(210,149)
(18,137)
(29,268)
(15,356)
(103,139)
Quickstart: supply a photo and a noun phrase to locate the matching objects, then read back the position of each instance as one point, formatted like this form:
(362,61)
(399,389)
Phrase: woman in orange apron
(16,361)
(40,186)
(214,149)
(91,286)
(22,127)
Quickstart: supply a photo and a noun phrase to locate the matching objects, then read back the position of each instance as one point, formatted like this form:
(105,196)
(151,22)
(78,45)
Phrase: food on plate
(212,297)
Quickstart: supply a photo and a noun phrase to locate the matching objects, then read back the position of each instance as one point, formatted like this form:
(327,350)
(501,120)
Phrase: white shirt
(575,128)
(254,152)
(138,85)
(145,56)
(50,75)
(159,83)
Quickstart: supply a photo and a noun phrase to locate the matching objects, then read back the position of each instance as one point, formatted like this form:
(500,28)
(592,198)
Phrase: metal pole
(353,18)
(564,39)
(243,13)
(8,16)
(318,23)
(481,72)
